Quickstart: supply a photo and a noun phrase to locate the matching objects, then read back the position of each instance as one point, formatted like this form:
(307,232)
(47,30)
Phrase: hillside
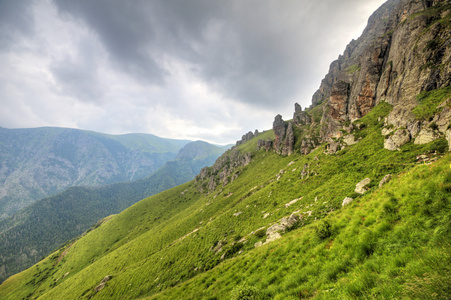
(190,243)
(40,162)
(349,200)
(34,232)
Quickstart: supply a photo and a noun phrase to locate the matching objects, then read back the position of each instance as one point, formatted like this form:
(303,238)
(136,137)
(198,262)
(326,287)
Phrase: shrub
(246,292)
(260,233)
(323,230)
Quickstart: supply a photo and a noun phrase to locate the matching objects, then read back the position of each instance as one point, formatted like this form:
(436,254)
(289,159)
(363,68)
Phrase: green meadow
(393,242)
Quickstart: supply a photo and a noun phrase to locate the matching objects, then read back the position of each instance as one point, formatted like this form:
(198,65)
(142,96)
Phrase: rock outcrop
(404,50)
(225,170)
(284,136)
(246,137)
(279,127)
(307,145)
(288,144)
(300,117)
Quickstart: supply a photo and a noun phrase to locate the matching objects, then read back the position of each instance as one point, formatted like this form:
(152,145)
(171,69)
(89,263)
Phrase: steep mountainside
(404,50)
(32,233)
(36,163)
(349,200)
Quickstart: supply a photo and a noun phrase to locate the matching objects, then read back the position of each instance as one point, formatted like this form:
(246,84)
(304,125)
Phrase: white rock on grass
(346,201)
(360,188)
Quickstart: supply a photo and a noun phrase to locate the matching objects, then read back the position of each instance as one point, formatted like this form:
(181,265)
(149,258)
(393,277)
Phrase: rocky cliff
(403,54)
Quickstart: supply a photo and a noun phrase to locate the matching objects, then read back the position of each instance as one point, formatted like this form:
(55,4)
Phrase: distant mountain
(40,162)
(36,230)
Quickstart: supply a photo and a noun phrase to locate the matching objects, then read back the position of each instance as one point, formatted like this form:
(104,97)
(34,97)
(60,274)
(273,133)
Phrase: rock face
(361,186)
(339,100)
(225,170)
(379,66)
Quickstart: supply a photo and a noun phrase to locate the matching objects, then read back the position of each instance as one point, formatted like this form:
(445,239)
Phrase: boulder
(384,180)
(413,128)
(443,119)
(272,237)
(333,147)
(346,201)
(360,188)
(349,139)
(398,139)
(426,135)
(290,221)
(102,283)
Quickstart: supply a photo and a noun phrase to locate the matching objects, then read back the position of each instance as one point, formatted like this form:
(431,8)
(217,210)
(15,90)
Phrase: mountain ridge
(39,162)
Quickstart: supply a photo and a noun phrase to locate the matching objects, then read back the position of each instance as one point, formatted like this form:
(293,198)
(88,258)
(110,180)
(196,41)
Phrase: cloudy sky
(191,69)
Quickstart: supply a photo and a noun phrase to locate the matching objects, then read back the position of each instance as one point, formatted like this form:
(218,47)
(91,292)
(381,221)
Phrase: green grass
(387,243)
(352,69)
(429,101)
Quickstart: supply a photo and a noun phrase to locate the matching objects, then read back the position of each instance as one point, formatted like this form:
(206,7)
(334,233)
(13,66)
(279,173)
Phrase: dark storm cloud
(252,51)
(125,30)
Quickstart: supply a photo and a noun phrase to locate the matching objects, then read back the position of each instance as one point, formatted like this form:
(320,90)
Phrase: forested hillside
(40,162)
(32,233)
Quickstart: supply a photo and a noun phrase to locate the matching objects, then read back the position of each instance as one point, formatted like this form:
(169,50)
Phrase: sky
(184,69)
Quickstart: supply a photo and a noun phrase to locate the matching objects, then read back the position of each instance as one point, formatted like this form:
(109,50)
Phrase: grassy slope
(390,242)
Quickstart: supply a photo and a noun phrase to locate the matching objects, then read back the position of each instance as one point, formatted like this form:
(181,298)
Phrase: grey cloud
(247,50)
(16,20)
(124,29)
(78,74)
(252,51)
